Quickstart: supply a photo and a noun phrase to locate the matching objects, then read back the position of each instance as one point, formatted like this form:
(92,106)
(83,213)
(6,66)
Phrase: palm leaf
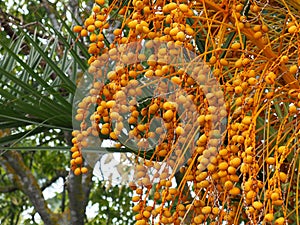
(37,86)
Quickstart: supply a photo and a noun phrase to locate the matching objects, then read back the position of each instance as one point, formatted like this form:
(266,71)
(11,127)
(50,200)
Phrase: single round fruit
(84,170)
(292,29)
(269,217)
(279,221)
(77,171)
(236,46)
(206,210)
(257,205)
(293,69)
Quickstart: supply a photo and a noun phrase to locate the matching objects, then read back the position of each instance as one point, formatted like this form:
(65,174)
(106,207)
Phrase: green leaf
(69,83)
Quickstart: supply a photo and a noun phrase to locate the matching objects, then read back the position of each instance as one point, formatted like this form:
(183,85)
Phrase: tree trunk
(22,179)
(21,175)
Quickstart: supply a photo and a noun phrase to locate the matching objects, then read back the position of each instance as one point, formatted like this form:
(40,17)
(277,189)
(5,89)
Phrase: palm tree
(41,63)
(250,49)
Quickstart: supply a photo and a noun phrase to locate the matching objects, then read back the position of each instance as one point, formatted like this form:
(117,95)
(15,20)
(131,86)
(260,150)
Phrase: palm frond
(37,85)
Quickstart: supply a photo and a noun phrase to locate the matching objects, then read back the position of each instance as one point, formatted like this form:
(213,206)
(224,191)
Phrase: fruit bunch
(218,140)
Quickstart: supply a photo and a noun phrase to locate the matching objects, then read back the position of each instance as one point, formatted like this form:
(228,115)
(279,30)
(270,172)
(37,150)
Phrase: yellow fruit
(275,196)
(110,104)
(113,135)
(228,185)
(236,46)
(93,49)
(77,29)
(282,176)
(159,72)
(100,2)
(140,222)
(292,29)
(213,60)
(76,154)
(251,73)
(203,184)
(235,162)
(173,191)
(293,69)
(277,202)
(265,28)
(105,131)
(240,25)
(257,35)
(224,62)
(79,117)
(153,108)
(198,219)
(257,205)
(84,170)
(117,32)
(247,120)
(215,210)
(284,59)
(235,191)
(183,7)
(72,162)
(206,210)
(162,153)
(96,9)
(149,73)
(255,9)
(138,216)
(269,79)
(270,160)
(84,33)
(78,160)
(223,166)
(135,198)
(257,28)
(252,81)
(139,5)
(223,152)
(269,217)
(279,221)
(176,80)
(231,170)
(168,115)
(141,127)
(174,31)
(91,28)
(189,31)
(238,63)
(146,214)
(169,7)
(239,7)
(89,21)
(238,89)
(282,149)
(251,194)
(189,177)
(77,171)
(180,36)
(292,109)
(179,130)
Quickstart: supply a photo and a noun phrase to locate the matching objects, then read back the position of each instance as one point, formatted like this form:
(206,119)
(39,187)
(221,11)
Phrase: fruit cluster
(220,130)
